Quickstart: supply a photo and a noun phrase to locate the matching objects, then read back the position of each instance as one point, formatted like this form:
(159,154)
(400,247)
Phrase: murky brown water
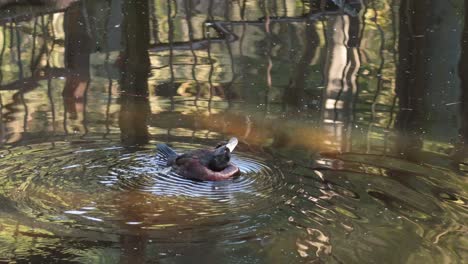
(352,125)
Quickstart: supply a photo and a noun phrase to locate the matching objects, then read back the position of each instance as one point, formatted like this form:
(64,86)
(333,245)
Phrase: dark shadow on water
(411,78)
(294,94)
(134,66)
(78,48)
(462,150)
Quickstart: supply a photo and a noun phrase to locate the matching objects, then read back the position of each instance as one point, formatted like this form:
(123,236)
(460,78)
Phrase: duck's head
(221,155)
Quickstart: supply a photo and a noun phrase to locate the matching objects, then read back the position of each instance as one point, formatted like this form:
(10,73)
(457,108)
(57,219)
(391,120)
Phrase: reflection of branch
(170,38)
(343,72)
(29,16)
(226,34)
(154,22)
(30,83)
(21,76)
(395,58)
(108,74)
(195,45)
(188,17)
(360,54)
(267,27)
(18,50)
(33,49)
(223,32)
(2,127)
(46,33)
(379,75)
(283,19)
(210,74)
(2,52)
(233,70)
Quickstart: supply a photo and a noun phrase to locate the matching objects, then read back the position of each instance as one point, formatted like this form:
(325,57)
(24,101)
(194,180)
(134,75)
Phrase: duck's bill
(231,145)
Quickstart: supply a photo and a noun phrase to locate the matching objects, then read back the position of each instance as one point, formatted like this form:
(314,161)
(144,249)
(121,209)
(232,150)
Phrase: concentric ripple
(147,172)
(95,186)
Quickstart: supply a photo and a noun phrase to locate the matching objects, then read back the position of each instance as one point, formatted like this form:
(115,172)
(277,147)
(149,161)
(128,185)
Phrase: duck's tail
(167,152)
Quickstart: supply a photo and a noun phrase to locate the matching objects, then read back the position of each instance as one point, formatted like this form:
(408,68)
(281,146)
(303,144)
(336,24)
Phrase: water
(352,125)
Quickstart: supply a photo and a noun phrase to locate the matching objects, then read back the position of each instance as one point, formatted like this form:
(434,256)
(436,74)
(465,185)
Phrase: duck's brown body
(205,164)
(193,169)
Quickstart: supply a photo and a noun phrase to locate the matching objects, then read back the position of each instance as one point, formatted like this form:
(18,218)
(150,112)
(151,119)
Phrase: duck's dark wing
(167,153)
(201,156)
(194,170)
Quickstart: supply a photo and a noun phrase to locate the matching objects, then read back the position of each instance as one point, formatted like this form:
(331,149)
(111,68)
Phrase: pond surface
(352,121)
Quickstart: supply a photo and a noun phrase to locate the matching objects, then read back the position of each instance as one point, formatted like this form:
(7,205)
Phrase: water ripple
(118,190)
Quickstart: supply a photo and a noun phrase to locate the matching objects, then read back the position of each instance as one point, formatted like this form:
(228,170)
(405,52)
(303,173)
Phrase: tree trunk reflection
(134,64)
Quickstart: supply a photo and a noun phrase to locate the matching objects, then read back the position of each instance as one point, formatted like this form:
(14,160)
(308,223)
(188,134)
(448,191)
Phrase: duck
(211,164)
